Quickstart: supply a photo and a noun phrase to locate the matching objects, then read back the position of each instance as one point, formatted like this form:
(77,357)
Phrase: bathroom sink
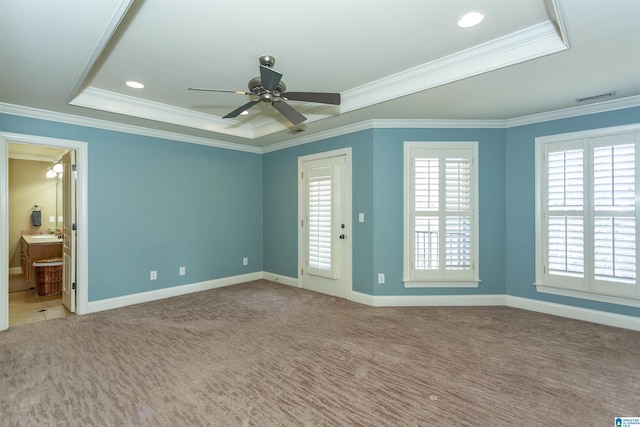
(42,236)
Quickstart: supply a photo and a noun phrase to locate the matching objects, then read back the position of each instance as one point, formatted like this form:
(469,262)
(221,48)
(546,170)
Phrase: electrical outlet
(381,278)
(183,271)
(153,275)
(52,219)
(245,261)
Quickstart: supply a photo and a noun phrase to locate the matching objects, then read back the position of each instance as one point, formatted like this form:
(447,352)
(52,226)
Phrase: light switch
(361,217)
(52,219)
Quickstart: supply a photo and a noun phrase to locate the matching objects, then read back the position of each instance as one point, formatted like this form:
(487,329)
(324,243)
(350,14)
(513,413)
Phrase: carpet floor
(265,354)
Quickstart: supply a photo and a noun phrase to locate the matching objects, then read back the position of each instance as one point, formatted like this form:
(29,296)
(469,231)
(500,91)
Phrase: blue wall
(156,204)
(159,204)
(377,188)
(281,206)
(520,207)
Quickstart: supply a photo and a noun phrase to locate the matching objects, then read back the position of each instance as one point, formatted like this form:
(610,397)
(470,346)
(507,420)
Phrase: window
(320,221)
(586,234)
(440,214)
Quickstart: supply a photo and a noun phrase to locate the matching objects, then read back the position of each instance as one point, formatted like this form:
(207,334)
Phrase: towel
(36,218)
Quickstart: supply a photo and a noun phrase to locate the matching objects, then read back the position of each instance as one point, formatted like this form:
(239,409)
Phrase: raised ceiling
(392,59)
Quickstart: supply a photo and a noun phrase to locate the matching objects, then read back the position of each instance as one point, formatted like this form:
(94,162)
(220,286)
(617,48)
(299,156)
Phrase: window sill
(442,284)
(587,295)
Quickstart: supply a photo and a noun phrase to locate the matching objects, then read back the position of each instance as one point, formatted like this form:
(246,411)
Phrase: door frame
(82,216)
(348,214)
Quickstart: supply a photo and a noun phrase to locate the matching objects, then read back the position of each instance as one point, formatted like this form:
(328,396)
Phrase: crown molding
(524,45)
(582,110)
(343,130)
(600,107)
(53,116)
(530,43)
(112,102)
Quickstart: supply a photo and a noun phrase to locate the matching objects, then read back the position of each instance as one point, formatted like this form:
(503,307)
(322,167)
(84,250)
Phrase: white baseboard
(426,300)
(123,301)
(279,278)
(15,270)
(588,315)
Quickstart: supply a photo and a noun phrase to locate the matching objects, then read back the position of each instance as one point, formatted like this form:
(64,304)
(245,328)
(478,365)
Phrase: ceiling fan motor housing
(256,88)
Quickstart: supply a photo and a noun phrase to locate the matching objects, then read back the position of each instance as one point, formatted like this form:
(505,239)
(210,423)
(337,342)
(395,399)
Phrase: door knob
(342,236)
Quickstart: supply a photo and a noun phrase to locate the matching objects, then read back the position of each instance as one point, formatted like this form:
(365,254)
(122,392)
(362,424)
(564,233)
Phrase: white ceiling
(389,59)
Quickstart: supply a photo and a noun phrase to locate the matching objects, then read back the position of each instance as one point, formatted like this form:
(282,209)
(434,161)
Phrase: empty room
(319,212)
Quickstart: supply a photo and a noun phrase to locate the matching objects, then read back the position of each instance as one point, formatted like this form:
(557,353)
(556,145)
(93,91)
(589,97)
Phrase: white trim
(583,287)
(348,257)
(53,116)
(600,107)
(440,278)
(109,31)
(82,188)
(103,100)
(142,297)
(4,231)
(571,312)
(587,295)
(584,134)
(279,278)
(423,284)
(582,110)
(530,43)
(428,300)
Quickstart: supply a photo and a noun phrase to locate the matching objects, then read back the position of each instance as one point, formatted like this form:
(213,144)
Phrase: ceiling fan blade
(239,110)
(204,89)
(289,112)
(269,77)
(321,97)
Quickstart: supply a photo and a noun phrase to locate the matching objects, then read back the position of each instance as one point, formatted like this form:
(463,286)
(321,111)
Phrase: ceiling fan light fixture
(470,19)
(244,113)
(135,85)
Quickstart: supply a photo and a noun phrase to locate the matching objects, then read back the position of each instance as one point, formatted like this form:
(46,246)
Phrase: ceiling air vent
(596,97)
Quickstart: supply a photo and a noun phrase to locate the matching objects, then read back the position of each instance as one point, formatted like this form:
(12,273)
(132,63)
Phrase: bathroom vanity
(34,247)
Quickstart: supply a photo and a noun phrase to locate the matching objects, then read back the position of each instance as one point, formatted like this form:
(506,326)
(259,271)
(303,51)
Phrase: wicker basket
(49,276)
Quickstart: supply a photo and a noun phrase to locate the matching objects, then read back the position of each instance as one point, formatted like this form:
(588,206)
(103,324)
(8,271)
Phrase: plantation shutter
(442,207)
(614,197)
(458,213)
(565,222)
(320,222)
(589,215)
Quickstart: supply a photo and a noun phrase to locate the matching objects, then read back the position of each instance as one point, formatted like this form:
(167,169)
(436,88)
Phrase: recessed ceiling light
(470,19)
(135,85)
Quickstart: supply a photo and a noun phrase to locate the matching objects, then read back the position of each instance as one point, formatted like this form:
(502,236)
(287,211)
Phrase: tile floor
(27,306)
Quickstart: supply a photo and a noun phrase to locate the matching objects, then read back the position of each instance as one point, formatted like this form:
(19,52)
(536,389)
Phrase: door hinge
(301,175)
(302,223)
(74,168)
(73,286)
(302,271)
(73,227)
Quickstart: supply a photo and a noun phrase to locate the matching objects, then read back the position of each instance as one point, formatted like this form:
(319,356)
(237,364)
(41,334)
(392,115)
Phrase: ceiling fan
(270,88)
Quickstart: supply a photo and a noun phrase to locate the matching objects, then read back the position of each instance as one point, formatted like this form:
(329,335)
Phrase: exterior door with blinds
(325,261)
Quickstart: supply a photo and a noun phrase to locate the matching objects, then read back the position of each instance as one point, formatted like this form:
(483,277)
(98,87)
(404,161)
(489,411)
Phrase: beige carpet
(263,354)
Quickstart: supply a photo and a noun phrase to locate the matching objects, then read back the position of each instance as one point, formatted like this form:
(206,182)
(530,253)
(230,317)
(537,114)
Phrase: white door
(69,229)
(325,253)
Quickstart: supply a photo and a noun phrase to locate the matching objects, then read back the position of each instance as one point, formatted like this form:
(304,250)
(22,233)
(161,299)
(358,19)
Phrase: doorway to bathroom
(61,213)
